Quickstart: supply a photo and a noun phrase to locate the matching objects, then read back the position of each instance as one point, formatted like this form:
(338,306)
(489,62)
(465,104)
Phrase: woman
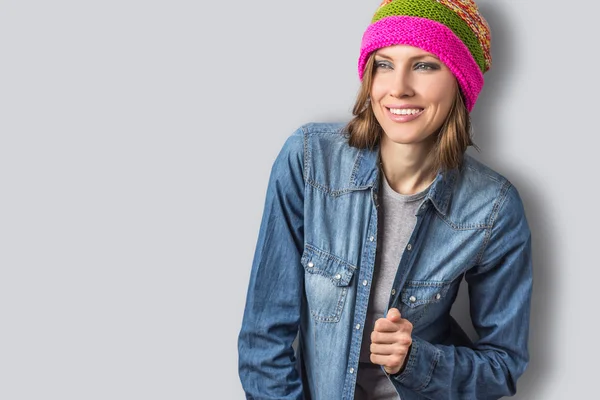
(369,228)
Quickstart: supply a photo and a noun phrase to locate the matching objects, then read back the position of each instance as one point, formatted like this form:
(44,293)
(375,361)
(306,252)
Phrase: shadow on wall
(531,384)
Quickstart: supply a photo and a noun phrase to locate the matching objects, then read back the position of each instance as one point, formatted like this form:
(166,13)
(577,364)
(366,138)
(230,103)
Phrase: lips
(403,106)
(403,117)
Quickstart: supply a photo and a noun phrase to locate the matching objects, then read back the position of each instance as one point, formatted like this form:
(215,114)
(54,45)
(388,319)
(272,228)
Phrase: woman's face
(412,93)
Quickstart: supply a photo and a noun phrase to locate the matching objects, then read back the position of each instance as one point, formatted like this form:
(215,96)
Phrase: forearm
(267,364)
(448,372)
(500,287)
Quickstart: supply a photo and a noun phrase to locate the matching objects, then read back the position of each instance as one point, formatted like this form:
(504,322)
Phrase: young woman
(369,228)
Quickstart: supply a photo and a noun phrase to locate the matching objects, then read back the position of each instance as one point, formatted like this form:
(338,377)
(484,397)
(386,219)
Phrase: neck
(408,168)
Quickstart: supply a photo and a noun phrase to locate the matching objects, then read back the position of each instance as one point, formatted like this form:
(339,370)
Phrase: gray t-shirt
(396,219)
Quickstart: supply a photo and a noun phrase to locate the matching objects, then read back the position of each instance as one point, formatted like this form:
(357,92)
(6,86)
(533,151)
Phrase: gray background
(136,142)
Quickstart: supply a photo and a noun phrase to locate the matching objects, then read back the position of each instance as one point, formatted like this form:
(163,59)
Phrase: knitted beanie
(452,30)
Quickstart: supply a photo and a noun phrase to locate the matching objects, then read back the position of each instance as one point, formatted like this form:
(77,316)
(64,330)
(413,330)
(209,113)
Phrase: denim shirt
(313,267)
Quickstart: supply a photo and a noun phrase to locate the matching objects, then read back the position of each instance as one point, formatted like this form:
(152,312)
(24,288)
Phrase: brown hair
(453,138)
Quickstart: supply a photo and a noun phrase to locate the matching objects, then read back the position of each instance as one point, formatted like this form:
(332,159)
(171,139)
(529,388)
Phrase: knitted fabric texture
(453,30)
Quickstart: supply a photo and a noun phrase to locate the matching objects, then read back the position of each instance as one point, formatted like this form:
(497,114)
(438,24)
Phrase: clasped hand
(391,340)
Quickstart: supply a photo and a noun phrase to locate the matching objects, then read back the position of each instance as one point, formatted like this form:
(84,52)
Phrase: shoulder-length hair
(452,139)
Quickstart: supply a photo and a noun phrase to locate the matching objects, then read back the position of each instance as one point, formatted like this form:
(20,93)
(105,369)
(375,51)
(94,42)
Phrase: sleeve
(500,287)
(271,317)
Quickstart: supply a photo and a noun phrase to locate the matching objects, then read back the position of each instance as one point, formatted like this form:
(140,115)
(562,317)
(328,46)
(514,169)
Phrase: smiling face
(411,94)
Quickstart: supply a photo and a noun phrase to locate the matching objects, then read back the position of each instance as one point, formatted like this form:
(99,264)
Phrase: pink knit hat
(453,30)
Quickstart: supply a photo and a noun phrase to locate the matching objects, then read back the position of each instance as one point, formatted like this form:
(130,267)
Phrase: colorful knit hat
(453,30)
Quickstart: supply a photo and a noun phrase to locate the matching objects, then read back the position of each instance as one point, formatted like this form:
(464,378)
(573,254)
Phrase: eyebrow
(410,58)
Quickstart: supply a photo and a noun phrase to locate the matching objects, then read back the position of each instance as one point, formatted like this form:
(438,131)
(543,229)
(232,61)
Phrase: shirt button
(412,299)
(438,296)
(351,370)
(310,264)
(337,277)
(357,326)
(372,238)
(393,292)
(365,282)
(409,247)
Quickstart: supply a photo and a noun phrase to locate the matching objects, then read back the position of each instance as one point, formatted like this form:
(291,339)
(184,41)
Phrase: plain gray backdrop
(136,142)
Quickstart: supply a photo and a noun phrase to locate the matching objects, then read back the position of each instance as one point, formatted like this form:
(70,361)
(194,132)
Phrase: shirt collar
(365,174)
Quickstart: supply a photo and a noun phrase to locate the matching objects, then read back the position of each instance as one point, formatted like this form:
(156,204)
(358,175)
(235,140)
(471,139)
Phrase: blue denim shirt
(313,267)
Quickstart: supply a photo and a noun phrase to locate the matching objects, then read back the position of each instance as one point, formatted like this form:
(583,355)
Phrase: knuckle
(373,336)
(399,349)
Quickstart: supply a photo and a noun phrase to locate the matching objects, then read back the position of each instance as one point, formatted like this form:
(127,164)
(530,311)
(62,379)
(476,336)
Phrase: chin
(406,138)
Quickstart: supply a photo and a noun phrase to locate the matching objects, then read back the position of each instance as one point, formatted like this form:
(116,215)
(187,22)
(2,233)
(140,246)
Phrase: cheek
(443,95)
(377,90)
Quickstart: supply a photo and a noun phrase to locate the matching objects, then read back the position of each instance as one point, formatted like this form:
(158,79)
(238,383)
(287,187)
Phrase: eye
(426,66)
(380,64)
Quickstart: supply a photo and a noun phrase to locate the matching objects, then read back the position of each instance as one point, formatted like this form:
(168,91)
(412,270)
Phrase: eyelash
(386,65)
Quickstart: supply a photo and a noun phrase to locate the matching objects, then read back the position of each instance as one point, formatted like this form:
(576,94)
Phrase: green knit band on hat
(435,11)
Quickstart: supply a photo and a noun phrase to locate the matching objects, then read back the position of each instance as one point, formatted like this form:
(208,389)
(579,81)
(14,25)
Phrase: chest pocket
(327,279)
(420,298)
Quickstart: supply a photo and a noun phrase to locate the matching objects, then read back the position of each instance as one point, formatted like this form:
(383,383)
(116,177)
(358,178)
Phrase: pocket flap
(416,293)
(319,262)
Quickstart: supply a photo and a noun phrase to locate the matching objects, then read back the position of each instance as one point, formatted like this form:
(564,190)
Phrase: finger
(389,349)
(382,338)
(382,349)
(399,338)
(385,325)
(393,315)
(393,361)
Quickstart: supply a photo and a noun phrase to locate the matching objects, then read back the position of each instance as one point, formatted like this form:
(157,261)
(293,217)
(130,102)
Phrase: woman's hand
(390,342)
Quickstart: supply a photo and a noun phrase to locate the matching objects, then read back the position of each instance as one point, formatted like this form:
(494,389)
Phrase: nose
(402,84)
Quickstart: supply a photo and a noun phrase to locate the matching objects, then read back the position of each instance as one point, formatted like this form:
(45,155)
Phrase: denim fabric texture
(313,266)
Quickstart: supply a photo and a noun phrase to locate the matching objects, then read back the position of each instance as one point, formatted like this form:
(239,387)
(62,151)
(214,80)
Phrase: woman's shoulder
(316,135)
(329,139)
(329,161)
(480,183)
(325,134)
(323,128)
(481,173)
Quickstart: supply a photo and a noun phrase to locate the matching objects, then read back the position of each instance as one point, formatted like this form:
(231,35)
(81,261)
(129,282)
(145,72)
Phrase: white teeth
(404,111)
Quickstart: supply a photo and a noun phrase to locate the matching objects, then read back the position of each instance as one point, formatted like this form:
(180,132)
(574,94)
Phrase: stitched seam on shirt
(306,156)
(337,314)
(359,156)
(430,372)
(412,359)
(496,209)
(462,227)
(478,171)
(334,193)
(330,256)
(318,186)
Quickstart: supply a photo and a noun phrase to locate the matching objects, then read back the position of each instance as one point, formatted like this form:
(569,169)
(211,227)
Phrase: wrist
(403,366)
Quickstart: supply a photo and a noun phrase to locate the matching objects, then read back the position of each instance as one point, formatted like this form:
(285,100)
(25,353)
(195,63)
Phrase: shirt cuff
(422,359)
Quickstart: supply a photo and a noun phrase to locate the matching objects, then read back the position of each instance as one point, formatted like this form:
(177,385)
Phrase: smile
(405,111)
(403,114)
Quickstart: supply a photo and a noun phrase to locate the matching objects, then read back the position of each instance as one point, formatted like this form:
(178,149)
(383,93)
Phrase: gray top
(396,218)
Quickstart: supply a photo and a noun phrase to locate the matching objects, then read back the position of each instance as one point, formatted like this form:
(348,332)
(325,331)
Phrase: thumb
(393,315)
